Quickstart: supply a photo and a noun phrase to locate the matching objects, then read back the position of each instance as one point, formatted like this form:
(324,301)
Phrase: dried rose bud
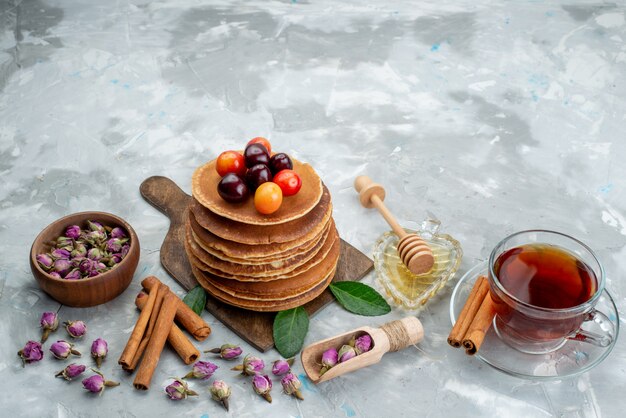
(117,232)
(227,351)
(95,226)
(178,390)
(71,371)
(79,250)
(60,253)
(330,358)
(86,266)
(97,383)
(95,237)
(346,352)
(291,385)
(363,344)
(281,367)
(251,366)
(62,350)
(201,370)
(73,231)
(49,323)
(74,274)
(55,275)
(62,266)
(220,392)
(262,386)
(65,243)
(125,250)
(114,245)
(45,261)
(94,254)
(99,350)
(31,352)
(114,260)
(76,329)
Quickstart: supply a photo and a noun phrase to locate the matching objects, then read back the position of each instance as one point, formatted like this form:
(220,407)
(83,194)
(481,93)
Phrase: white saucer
(573,358)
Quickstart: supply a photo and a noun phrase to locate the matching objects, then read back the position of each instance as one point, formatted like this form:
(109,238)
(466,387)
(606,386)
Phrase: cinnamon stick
(138,332)
(187,318)
(176,338)
(474,300)
(155,346)
(480,325)
(162,290)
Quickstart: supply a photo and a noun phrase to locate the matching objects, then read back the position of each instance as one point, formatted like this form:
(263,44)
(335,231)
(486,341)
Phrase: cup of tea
(544,286)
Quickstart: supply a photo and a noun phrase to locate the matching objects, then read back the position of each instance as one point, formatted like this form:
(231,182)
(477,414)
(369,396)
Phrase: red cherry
(289,182)
(230,162)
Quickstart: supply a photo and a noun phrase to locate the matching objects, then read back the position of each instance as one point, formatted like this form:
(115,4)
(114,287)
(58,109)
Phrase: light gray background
(493,116)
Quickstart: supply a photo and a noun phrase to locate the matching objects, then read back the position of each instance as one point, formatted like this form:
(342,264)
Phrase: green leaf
(290,328)
(360,298)
(196,299)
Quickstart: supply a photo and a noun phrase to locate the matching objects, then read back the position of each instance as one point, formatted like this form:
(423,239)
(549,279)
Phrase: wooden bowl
(89,291)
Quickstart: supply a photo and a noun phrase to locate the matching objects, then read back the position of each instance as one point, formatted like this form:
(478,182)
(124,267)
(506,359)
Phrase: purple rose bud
(363,344)
(49,323)
(62,266)
(71,371)
(74,274)
(76,329)
(45,261)
(114,260)
(62,350)
(114,245)
(93,273)
(55,275)
(251,366)
(330,357)
(97,383)
(202,370)
(60,253)
(95,237)
(73,231)
(94,254)
(100,266)
(346,352)
(117,232)
(79,251)
(125,250)
(178,390)
(31,352)
(291,385)
(281,367)
(65,242)
(95,226)
(86,266)
(99,350)
(220,392)
(227,351)
(262,386)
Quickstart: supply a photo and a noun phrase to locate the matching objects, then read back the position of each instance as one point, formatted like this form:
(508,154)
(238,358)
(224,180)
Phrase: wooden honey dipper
(413,250)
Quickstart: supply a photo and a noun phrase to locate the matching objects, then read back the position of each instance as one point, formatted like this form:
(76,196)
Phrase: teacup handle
(601,340)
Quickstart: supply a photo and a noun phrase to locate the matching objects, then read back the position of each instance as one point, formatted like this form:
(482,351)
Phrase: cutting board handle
(163,194)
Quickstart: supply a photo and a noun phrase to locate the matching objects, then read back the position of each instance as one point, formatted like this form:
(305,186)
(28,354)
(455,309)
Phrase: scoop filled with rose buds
(358,348)
(85,252)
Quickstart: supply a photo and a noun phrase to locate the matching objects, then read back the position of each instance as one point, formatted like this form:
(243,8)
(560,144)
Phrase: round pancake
(248,276)
(303,248)
(243,233)
(204,188)
(278,289)
(264,306)
(284,265)
(252,252)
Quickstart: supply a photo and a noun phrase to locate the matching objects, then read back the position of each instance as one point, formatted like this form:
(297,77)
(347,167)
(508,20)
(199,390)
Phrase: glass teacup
(545,285)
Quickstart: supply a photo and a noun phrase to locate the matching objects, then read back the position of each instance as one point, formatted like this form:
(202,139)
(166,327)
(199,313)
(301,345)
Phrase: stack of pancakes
(262,262)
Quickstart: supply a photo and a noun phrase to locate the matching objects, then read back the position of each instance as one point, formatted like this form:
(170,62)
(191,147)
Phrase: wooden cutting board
(254,327)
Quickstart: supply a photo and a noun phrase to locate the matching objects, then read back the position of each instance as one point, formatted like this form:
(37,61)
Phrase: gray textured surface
(494,117)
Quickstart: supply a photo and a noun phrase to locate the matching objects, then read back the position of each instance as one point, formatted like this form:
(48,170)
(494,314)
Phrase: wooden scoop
(392,336)
(413,250)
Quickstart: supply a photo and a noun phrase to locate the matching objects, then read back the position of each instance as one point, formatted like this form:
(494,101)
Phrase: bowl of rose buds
(85,259)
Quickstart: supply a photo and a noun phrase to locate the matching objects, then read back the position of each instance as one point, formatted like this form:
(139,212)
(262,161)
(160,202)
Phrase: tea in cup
(544,286)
